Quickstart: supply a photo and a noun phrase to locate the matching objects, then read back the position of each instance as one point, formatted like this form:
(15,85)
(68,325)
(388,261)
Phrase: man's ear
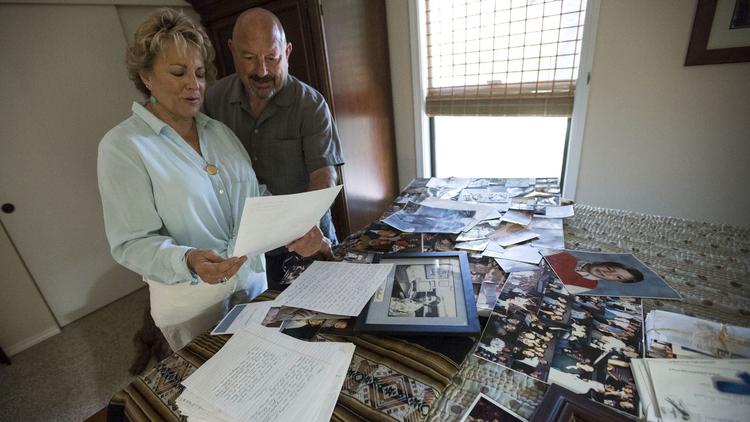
(288,50)
(230,45)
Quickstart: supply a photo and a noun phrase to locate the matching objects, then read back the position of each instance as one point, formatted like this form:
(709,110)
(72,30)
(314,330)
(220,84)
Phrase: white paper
(243,315)
(339,288)
(511,234)
(473,245)
(518,217)
(451,182)
(693,337)
(558,212)
(686,389)
(269,222)
(493,250)
(510,266)
(262,375)
(522,253)
(483,211)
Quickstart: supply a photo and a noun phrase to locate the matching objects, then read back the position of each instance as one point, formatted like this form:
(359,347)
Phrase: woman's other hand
(311,243)
(211,267)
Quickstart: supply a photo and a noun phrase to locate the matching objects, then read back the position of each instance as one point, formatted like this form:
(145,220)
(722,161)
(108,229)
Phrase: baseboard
(26,343)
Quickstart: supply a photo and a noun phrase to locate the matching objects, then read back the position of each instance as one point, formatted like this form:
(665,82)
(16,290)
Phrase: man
(579,277)
(284,124)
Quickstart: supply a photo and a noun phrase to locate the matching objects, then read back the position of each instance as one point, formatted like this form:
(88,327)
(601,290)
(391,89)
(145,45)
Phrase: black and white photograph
(429,293)
(423,291)
(582,343)
(416,218)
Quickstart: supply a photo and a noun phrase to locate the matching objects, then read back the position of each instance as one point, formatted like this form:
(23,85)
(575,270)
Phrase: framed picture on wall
(721,33)
(430,293)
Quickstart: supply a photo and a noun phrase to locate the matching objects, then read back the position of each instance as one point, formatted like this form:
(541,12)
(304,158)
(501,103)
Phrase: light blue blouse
(159,201)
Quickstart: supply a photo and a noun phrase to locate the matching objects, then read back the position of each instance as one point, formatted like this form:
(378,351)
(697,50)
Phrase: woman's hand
(311,243)
(211,267)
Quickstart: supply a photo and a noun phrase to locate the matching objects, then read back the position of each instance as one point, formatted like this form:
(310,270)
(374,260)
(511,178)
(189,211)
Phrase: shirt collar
(156,124)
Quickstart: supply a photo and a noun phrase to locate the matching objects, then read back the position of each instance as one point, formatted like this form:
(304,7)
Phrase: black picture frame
(698,52)
(562,405)
(424,286)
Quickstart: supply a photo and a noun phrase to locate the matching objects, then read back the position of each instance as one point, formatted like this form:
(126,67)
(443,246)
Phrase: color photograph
(607,274)
(582,343)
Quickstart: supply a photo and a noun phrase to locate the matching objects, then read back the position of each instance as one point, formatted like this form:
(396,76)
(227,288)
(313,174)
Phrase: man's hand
(211,267)
(311,243)
(324,177)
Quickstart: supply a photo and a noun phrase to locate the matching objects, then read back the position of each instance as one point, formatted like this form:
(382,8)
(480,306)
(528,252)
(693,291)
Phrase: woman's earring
(152,99)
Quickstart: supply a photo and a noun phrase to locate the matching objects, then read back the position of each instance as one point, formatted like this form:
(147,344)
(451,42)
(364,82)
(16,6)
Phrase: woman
(173,183)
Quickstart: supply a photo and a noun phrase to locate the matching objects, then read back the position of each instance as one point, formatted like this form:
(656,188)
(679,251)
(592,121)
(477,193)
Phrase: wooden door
(355,37)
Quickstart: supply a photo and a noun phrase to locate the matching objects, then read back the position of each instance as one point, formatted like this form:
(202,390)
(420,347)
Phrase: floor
(72,376)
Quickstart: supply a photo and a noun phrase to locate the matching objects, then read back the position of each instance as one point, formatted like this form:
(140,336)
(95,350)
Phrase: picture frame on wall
(430,293)
(720,34)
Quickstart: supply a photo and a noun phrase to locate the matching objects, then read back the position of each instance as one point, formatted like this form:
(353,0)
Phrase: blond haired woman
(173,183)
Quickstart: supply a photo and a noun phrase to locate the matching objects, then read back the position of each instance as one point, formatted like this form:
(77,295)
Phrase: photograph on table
(485,194)
(429,293)
(379,237)
(437,242)
(478,232)
(582,343)
(416,218)
(550,231)
(304,329)
(484,409)
(278,314)
(338,327)
(607,274)
(413,191)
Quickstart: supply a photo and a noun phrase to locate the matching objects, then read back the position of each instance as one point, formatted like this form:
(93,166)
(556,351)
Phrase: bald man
(284,124)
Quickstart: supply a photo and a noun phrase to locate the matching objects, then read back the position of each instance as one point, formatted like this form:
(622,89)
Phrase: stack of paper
(670,335)
(263,375)
(693,389)
(337,288)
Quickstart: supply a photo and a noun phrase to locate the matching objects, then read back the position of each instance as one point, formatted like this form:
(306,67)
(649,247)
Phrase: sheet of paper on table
(693,389)
(264,375)
(675,335)
(269,222)
(558,212)
(518,217)
(338,288)
(242,316)
(522,253)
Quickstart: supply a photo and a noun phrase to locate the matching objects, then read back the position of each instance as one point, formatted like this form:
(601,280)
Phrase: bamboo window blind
(503,57)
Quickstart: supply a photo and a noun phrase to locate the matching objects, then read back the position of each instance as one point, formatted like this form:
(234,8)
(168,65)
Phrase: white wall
(662,138)
(659,137)
(397,15)
(57,56)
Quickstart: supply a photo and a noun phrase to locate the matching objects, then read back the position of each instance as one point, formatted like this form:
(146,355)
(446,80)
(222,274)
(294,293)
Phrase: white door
(64,85)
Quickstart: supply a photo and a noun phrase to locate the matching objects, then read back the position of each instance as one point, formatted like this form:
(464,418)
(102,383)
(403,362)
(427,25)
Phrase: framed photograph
(562,405)
(430,293)
(721,33)
(485,409)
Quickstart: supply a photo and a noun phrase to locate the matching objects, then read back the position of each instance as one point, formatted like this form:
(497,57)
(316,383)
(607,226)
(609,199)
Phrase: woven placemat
(708,264)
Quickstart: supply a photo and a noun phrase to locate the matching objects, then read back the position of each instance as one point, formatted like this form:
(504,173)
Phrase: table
(416,379)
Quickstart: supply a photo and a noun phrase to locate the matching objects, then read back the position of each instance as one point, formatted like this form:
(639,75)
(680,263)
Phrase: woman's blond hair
(160,27)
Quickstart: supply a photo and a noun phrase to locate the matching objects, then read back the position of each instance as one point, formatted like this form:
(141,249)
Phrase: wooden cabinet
(340,47)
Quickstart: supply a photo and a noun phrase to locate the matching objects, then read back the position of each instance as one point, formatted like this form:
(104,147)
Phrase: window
(501,79)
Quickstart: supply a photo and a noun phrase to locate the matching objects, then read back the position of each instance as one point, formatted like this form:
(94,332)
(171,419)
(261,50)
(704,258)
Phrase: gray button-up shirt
(292,137)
